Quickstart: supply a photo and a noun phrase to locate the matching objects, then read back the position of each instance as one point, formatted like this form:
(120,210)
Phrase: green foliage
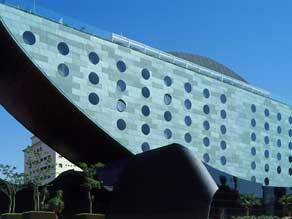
(56,203)
(286,201)
(90,182)
(12,183)
(249,201)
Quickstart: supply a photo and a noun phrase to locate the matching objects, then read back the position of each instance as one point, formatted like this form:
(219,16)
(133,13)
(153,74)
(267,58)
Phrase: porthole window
(290,145)
(253,108)
(206,125)
(267,167)
(188,138)
(290,132)
(188,104)
(145,74)
(253,165)
(279,156)
(206,93)
(121,124)
(145,147)
(279,170)
(253,136)
(28,38)
(290,159)
(206,141)
(121,106)
(223,98)
(279,143)
(93,58)
(167,116)
(253,151)
(267,154)
(206,158)
(93,78)
(63,70)
(145,129)
(188,87)
(253,123)
(93,98)
(145,110)
(167,133)
(223,145)
(267,140)
(167,81)
(206,109)
(167,99)
(267,113)
(121,85)
(145,92)
(267,126)
(290,120)
(223,160)
(223,129)
(279,116)
(63,48)
(290,171)
(188,121)
(267,181)
(279,130)
(223,114)
(121,66)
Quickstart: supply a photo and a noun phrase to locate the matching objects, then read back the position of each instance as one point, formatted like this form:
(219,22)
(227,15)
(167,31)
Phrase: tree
(249,201)
(286,201)
(11,184)
(56,203)
(89,182)
(41,165)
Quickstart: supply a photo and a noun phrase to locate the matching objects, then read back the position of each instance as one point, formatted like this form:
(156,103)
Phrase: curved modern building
(128,98)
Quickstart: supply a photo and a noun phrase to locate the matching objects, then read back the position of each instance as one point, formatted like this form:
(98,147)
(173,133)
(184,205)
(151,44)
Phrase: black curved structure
(165,183)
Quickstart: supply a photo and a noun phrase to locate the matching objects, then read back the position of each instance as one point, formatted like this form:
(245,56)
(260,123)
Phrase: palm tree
(286,201)
(249,201)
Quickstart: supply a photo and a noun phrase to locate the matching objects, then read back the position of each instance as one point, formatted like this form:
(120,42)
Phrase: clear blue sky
(253,38)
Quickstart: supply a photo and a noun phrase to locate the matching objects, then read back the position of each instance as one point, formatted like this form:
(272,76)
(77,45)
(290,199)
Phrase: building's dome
(208,63)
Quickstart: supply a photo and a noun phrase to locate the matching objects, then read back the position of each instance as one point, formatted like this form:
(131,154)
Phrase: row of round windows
(267,113)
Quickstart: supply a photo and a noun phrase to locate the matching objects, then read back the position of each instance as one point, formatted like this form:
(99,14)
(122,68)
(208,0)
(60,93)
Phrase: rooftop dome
(208,63)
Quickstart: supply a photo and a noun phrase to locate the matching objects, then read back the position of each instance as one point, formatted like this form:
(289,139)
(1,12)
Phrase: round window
(223,145)
(145,92)
(145,110)
(63,48)
(121,124)
(206,93)
(253,151)
(223,98)
(167,116)
(188,87)
(93,58)
(188,138)
(206,141)
(223,114)
(121,66)
(253,108)
(253,165)
(267,112)
(167,133)
(223,129)
(167,99)
(93,78)
(279,116)
(223,160)
(167,81)
(206,158)
(145,147)
(145,129)
(188,120)
(121,85)
(188,104)
(145,74)
(63,70)
(93,98)
(206,125)
(206,109)
(253,123)
(121,106)
(28,38)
